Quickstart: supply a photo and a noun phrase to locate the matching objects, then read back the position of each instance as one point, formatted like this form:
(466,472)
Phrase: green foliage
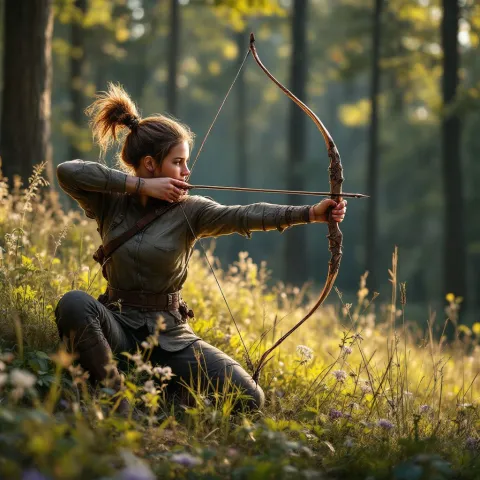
(361,395)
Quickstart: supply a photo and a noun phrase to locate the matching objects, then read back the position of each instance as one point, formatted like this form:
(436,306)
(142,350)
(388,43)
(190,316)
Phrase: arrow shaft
(270,190)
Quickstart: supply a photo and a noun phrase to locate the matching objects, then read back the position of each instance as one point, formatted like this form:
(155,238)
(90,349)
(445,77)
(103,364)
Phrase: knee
(72,310)
(256,397)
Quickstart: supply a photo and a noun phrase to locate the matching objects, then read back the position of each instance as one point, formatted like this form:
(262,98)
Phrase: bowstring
(250,364)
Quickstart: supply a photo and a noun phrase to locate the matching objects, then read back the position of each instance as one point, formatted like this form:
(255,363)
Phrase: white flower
(145,368)
(365,387)
(2,366)
(346,350)
(348,442)
(186,460)
(340,375)
(305,352)
(164,372)
(408,394)
(424,408)
(22,378)
(149,387)
(3,379)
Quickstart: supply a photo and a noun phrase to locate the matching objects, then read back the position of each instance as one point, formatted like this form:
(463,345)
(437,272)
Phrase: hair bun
(131,121)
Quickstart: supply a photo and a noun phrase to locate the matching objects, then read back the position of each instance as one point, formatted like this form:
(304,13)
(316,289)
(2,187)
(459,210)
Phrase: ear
(149,163)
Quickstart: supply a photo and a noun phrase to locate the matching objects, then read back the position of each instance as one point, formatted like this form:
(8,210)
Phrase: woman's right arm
(89,182)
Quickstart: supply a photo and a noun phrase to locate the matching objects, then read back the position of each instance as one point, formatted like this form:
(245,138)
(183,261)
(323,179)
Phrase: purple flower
(472,443)
(385,424)
(137,472)
(33,474)
(186,460)
(334,414)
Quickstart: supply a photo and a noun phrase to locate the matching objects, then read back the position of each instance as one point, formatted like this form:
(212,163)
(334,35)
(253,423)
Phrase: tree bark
(371,224)
(77,73)
(454,240)
(172,98)
(296,242)
(26,98)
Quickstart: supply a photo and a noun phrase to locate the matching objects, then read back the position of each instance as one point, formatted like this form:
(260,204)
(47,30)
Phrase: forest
(381,382)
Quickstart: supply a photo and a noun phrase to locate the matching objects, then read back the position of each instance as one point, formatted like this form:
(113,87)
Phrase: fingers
(339,211)
(181,184)
(175,194)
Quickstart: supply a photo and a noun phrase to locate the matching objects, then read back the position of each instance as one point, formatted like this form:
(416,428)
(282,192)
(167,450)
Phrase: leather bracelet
(137,186)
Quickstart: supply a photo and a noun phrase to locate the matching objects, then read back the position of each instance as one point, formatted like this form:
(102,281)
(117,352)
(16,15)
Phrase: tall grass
(358,392)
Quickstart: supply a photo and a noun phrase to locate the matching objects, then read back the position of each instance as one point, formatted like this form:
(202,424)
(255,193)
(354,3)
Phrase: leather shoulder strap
(116,242)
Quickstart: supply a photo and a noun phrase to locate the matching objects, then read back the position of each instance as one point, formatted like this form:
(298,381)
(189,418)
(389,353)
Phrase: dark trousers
(94,332)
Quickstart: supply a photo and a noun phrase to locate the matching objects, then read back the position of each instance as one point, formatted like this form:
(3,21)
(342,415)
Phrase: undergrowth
(358,392)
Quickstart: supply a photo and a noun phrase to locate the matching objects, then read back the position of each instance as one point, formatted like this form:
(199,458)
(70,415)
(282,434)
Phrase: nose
(185,171)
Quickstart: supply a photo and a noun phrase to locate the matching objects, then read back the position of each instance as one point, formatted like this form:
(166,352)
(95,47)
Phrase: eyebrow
(181,158)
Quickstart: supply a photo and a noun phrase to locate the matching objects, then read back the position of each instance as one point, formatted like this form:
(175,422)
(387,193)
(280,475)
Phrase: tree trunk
(26,98)
(372,172)
(172,102)
(454,246)
(296,244)
(77,74)
(240,136)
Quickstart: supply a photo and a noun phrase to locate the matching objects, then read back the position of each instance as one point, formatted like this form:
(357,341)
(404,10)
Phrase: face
(174,165)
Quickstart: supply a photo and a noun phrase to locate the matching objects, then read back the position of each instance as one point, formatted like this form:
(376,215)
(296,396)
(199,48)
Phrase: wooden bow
(335,235)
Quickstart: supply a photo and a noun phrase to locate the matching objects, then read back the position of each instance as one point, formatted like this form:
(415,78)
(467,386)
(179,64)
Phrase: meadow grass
(358,392)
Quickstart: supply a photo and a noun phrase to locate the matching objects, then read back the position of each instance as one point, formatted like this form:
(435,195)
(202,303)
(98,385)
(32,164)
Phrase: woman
(147,272)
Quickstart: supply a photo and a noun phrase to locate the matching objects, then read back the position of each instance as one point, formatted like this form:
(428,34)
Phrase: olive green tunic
(156,259)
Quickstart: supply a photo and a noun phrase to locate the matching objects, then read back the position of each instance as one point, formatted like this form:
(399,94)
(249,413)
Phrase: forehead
(181,150)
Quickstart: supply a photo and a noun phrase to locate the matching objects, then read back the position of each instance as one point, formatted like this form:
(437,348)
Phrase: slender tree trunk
(26,99)
(296,245)
(77,73)
(240,135)
(454,246)
(372,172)
(172,99)
(241,130)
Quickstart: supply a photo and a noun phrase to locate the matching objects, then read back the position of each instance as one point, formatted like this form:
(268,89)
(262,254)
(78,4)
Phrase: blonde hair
(114,117)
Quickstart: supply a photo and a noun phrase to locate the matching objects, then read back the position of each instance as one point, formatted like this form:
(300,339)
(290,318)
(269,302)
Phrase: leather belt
(141,299)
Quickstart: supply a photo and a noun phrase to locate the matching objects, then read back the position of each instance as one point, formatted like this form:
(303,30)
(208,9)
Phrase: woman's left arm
(211,219)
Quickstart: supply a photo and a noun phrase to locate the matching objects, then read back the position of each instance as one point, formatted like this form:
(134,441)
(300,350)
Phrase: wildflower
(145,345)
(305,352)
(334,414)
(340,375)
(22,379)
(472,443)
(424,408)
(137,472)
(33,474)
(365,387)
(186,460)
(146,367)
(149,387)
(408,394)
(2,366)
(385,424)
(346,350)
(3,379)
(165,373)
(348,442)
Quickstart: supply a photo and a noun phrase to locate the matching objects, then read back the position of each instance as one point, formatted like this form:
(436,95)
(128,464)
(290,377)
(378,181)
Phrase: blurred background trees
(396,83)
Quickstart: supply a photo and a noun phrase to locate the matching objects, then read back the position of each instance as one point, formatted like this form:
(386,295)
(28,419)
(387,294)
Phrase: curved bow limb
(335,235)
